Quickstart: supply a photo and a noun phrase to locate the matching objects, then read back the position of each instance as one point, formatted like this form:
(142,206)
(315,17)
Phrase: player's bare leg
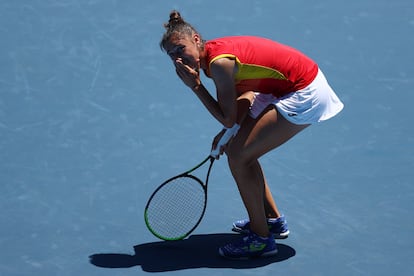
(256,138)
(270,206)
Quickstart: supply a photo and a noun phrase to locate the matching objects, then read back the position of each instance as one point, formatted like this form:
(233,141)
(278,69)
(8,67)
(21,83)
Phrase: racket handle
(228,134)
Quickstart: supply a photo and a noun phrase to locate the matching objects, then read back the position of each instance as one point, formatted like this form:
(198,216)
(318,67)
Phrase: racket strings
(176,208)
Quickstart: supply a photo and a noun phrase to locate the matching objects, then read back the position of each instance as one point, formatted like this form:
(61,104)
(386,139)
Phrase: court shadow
(198,251)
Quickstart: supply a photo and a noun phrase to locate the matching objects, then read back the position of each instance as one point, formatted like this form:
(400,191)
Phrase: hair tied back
(175,19)
(176,28)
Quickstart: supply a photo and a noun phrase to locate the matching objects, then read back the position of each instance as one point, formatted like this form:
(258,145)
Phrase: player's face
(185,50)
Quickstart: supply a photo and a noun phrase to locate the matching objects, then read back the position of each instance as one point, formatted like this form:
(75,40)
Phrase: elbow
(229,122)
(228,125)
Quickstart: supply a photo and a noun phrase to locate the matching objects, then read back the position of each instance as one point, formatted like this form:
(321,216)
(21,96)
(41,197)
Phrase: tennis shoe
(250,246)
(278,227)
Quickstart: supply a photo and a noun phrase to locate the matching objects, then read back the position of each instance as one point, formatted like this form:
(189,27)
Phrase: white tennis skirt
(315,103)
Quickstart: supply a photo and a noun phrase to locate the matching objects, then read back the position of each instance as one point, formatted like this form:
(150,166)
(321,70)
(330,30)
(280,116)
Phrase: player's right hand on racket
(222,139)
(216,148)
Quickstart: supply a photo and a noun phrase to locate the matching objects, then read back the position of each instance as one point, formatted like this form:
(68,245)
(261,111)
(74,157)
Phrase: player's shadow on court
(198,251)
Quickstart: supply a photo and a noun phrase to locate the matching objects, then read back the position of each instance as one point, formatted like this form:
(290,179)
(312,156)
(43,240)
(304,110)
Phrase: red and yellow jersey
(263,65)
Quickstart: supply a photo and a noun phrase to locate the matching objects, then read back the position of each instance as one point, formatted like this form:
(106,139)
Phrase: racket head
(176,207)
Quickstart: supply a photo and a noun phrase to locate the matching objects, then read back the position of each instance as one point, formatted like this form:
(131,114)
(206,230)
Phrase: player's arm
(244,103)
(222,72)
(224,109)
(224,136)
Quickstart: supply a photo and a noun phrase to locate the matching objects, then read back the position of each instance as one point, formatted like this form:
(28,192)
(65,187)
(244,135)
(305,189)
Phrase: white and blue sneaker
(250,246)
(277,226)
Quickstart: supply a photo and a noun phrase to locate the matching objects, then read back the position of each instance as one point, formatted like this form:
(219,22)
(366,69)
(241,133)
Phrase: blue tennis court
(93,119)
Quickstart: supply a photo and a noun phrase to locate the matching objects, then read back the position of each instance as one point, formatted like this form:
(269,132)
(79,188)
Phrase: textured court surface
(93,118)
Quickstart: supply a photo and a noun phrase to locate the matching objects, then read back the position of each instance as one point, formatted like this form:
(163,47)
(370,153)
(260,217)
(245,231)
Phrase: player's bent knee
(238,157)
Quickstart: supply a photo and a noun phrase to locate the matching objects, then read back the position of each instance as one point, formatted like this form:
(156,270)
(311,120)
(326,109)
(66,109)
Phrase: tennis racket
(177,206)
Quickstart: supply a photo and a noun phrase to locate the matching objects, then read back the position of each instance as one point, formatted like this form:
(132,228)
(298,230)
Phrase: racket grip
(228,134)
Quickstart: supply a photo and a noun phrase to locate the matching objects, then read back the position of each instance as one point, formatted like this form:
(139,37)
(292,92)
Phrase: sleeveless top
(263,65)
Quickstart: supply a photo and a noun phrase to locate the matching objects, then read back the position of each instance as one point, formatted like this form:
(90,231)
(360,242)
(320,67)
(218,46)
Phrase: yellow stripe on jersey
(251,71)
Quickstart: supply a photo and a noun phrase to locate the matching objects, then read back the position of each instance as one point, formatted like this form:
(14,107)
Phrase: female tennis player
(266,93)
